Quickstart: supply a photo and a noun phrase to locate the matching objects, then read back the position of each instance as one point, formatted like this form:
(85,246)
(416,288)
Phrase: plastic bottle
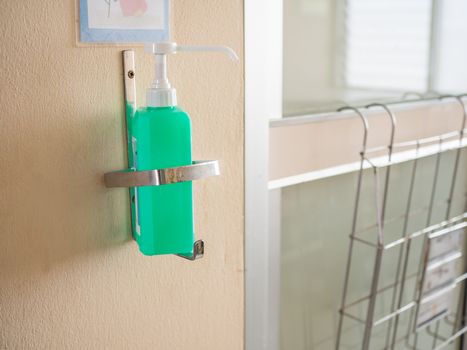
(160,137)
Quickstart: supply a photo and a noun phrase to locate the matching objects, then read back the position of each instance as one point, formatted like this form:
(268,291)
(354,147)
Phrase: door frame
(263,101)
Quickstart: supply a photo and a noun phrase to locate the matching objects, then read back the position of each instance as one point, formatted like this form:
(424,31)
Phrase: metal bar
(198,170)
(377,266)
(354,221)
(449,206)
(463,295)
(461,278)
(129,82)
(418,289)
(198,251)
(402,216)
(129,76)
(438,226)
(363,241)
(372,302)
(392,118)
(425,152)
(435,334)
(452,338)
(353,317)
(451,194)
(398,340)
(419,142)
(385,288)
(448,230)
(395,313)
(413,235)
(407,250)
(444,260)
(410,305)
(460,320)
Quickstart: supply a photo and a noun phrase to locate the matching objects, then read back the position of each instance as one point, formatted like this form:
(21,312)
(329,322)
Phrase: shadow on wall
(54,204)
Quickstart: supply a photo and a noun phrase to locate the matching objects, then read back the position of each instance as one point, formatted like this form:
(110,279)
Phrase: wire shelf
(437,276)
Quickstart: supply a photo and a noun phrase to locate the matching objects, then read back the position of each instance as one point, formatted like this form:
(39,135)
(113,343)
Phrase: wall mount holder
(131,179)
(158,177)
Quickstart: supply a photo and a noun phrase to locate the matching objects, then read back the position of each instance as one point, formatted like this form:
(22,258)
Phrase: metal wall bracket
(198,251)
(128,178)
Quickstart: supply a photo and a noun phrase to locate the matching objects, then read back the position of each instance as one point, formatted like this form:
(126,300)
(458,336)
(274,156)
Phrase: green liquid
(163,215)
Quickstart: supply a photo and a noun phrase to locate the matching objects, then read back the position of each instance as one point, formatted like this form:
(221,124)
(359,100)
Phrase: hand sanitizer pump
(161,167)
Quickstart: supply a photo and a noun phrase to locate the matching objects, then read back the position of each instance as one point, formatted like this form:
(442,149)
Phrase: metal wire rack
(430,304)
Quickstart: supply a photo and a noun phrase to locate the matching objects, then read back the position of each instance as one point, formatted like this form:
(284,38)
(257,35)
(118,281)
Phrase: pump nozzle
(161,94)
(171,47)
(223,49)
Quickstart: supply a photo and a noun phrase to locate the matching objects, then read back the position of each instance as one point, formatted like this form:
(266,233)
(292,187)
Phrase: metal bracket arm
(127,178)
(198,251)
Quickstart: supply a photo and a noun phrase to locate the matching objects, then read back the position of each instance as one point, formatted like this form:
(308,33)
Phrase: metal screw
(131,74)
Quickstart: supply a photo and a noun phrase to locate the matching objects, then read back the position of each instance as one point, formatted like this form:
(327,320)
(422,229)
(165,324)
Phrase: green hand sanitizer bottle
(160,137)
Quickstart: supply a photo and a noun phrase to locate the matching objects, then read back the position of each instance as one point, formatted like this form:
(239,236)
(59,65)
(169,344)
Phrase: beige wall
(70,276)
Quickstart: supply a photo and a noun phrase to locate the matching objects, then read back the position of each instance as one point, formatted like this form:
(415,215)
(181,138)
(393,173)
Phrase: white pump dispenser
(161,93)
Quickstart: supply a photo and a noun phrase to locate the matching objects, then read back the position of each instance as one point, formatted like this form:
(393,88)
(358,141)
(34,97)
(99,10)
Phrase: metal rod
(363,241)
(381,213)
(458,153)
(451,193)
(380,224)
(435,184)
(424,152)
(129,82)
(395,314)
(159,177)
(424,141)
(353,317)
(354,220)
(418,289)
(377,266)
(452,338)
(437,226)
(402,216)
(398,340)
(435,334)
(460,320)
(456,282)
(463,295)
(393,120)
(407,249)
(383,289)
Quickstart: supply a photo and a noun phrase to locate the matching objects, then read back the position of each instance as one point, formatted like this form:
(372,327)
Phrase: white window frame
(263,109)
(263,101)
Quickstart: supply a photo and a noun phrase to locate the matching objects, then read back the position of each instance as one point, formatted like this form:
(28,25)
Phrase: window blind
(387,44)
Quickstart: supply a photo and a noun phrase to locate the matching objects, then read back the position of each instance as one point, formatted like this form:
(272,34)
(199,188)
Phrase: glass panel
(339,52)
